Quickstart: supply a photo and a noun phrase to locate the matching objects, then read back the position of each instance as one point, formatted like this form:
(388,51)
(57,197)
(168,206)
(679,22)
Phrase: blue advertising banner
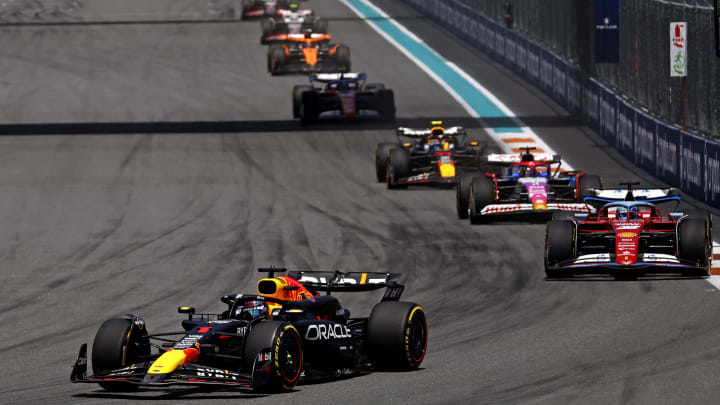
(546,71)
(607,31)
(511,40)
(667,154)
(560,81)
(608,114)
(625,138)
(499,42)
(574,90)
(692,154)
(712,173)
(592,105)
(533,62)
(645,133)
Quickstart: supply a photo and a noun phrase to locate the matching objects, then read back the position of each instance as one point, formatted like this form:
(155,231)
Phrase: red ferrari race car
(343,95)
(532,187)
(265,8)
(275,29)
(310,52)
(626,235)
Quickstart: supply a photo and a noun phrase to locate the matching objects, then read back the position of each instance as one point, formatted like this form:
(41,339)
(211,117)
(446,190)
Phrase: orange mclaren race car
(307,53)
(266,341)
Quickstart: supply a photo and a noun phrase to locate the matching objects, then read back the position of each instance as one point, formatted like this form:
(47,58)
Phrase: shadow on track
(185,127)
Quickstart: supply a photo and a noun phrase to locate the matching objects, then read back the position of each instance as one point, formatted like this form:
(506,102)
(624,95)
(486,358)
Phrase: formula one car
(307,53)
(266,341)
(532,187)
(432,157)
(265,8)
(275,29)
(344,95)
(626,235)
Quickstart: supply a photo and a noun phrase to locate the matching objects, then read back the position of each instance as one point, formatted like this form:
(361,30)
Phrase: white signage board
(678,49)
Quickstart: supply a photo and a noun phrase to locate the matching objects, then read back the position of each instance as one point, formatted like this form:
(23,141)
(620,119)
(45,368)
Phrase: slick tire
(481,194)
(370,87)
(586,184)
(381,159)
(321,26)
(386,105)
(397,336)
(308,111)
(398,167)
(268,27)
(297,94)
(462,195)
(283,345)
(244,5)
(694,244)
(276,57)
(117,344)
(559,246)
(343,58)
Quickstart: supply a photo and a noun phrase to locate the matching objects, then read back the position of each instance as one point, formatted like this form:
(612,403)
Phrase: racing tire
(386,105)
(462,195)
(308,110)
(586,184)
(397,336)
(563,216)
(297,94)
(245,5)
(118,343)
(381,159)
(694,244)
(398,167)
(321,26)
(276,56)
(481,193)
(343,58)
(268,27)
(559,246)
(284,344)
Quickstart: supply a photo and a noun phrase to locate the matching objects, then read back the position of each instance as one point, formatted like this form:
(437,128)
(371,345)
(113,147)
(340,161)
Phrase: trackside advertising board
(717,27)
(607,31)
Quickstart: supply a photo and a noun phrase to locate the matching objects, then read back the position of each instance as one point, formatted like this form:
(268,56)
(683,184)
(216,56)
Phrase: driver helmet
(633,213)
(621,213)
(251,310)
(308,33)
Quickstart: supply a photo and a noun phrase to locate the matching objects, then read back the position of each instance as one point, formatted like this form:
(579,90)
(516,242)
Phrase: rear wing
(499,158)
(423,132)
(336,77)
(301,13)
(654,196)
(338,281)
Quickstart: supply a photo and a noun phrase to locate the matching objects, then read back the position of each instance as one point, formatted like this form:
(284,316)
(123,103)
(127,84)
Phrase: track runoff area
(469,93)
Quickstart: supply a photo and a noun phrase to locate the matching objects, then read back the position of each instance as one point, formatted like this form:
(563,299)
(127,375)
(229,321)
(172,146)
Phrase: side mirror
(186,310)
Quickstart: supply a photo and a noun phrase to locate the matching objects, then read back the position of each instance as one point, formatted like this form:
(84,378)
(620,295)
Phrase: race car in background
(532,187)
(427,157)
(265,8)
(342,95)
(274,29)
(306,53)
(626,235)
(266,341)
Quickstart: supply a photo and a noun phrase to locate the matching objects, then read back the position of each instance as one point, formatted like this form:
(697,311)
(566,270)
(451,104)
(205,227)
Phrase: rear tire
(481,194)
(586,184)
(268,28)
(245,5)
(297,94)
(118,344)
(559,246)
(694,244)
(276,57)
(343,58)
(381,159)
(308,110)
(462,195)
(398,168)
(386,105)
(284,343)
(397,336)
(321,26)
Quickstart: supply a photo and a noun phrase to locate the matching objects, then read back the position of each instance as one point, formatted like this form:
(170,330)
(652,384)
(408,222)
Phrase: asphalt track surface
(98,225)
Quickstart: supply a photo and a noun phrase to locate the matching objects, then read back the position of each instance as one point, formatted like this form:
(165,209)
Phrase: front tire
(118,344)
(297,97)
(343,58)
(482,194)
(462,196)
(559,247)
(587,184)
(282,343)
(694,244)
(397,336)
(381,159)
(398,168)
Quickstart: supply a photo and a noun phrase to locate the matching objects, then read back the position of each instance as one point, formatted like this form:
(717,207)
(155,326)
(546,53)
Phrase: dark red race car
(626,235)
(343,95)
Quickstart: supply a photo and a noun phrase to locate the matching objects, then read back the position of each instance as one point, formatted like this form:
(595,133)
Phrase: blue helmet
(621,213)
